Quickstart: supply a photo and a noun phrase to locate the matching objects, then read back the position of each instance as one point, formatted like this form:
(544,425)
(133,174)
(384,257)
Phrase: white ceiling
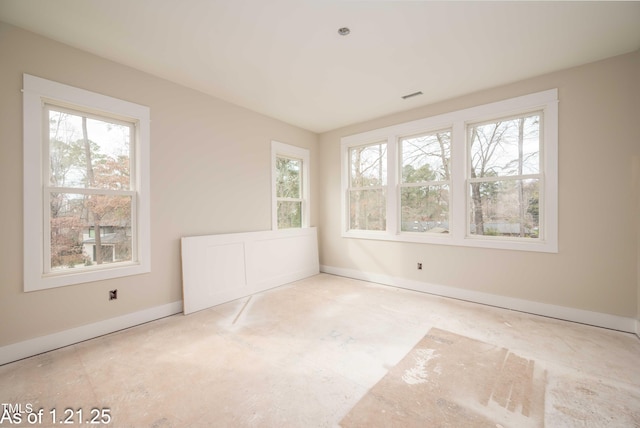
(285,58)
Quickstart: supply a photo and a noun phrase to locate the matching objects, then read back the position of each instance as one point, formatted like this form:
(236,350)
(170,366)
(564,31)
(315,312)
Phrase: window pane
(368,165)
(367,210)
(82,223)
(507,147)
(288,178)
(505,208)
(426,157)
(289,214)
(88,153)
(425,209)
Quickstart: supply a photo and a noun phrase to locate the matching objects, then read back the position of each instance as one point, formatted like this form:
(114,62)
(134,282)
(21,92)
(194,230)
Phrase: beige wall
(637,190)
(210,173)
(597,266)
(636,195)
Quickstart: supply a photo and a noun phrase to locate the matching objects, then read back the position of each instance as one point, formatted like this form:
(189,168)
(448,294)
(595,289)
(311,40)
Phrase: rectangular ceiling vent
(415,94)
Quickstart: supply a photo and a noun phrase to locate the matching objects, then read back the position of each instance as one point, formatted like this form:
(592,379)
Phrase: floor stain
(452,380)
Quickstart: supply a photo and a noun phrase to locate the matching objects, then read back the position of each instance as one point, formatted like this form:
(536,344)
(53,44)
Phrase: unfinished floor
(330,351)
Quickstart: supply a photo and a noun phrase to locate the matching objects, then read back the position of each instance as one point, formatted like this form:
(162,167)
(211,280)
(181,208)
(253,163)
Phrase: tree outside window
(90,189)
(289,192)
(367,187)
(505,180)
(425,182)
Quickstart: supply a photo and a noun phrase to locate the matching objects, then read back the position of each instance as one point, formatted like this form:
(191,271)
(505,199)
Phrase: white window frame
(402,185)
(457,121)
(36,92)
(294,152)
(385,188)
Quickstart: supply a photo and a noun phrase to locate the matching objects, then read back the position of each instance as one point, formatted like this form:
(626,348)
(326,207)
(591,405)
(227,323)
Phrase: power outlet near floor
(419,266)
(113,294)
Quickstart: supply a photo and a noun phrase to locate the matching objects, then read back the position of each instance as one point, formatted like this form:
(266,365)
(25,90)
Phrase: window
(484,177)
(425,182)
(367,187)
(504,177)
(86,186)
(290,187)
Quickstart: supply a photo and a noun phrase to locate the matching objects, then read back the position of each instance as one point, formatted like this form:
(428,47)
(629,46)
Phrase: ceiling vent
(415,94)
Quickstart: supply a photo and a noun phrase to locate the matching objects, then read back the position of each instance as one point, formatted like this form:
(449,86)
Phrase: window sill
(66,277)
(512,244)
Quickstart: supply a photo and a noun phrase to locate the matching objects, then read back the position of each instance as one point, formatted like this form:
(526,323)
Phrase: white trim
(638,328)
(36,92)
(31,347)
(597,319)
(545,101)
(278,148)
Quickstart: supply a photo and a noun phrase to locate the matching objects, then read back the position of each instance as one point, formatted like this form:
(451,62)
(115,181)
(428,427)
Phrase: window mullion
(425,184)
(459,170)
(46,227)
(85,191)
(393,201)
(359,188)
(46,195)
(504,178)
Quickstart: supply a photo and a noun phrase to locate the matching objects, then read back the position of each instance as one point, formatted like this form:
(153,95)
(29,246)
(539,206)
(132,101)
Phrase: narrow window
(367,187)
(505,177)
(289,192)
(290,186)
(425,182)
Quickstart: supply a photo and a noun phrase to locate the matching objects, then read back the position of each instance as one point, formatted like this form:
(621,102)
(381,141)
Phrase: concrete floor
(329,351)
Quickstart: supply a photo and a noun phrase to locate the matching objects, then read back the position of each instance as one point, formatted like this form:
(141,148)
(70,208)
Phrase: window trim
(294,152)
(457,121)
(36,92)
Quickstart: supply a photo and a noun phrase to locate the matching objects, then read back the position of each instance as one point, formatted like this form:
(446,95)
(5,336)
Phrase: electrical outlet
(419,266)
(113,294)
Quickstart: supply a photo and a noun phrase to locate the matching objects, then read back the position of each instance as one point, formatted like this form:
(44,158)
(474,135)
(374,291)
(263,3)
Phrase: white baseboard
(638,328)
(614,322)
(38,345)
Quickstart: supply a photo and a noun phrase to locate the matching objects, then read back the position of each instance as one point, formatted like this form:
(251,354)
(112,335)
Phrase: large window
(290,187)
(484,176)
(86,186)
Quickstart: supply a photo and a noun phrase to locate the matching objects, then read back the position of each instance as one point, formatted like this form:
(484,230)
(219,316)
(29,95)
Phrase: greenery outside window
(425,182)
(290,186)
(505,176)
(367,187)
(289,192)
